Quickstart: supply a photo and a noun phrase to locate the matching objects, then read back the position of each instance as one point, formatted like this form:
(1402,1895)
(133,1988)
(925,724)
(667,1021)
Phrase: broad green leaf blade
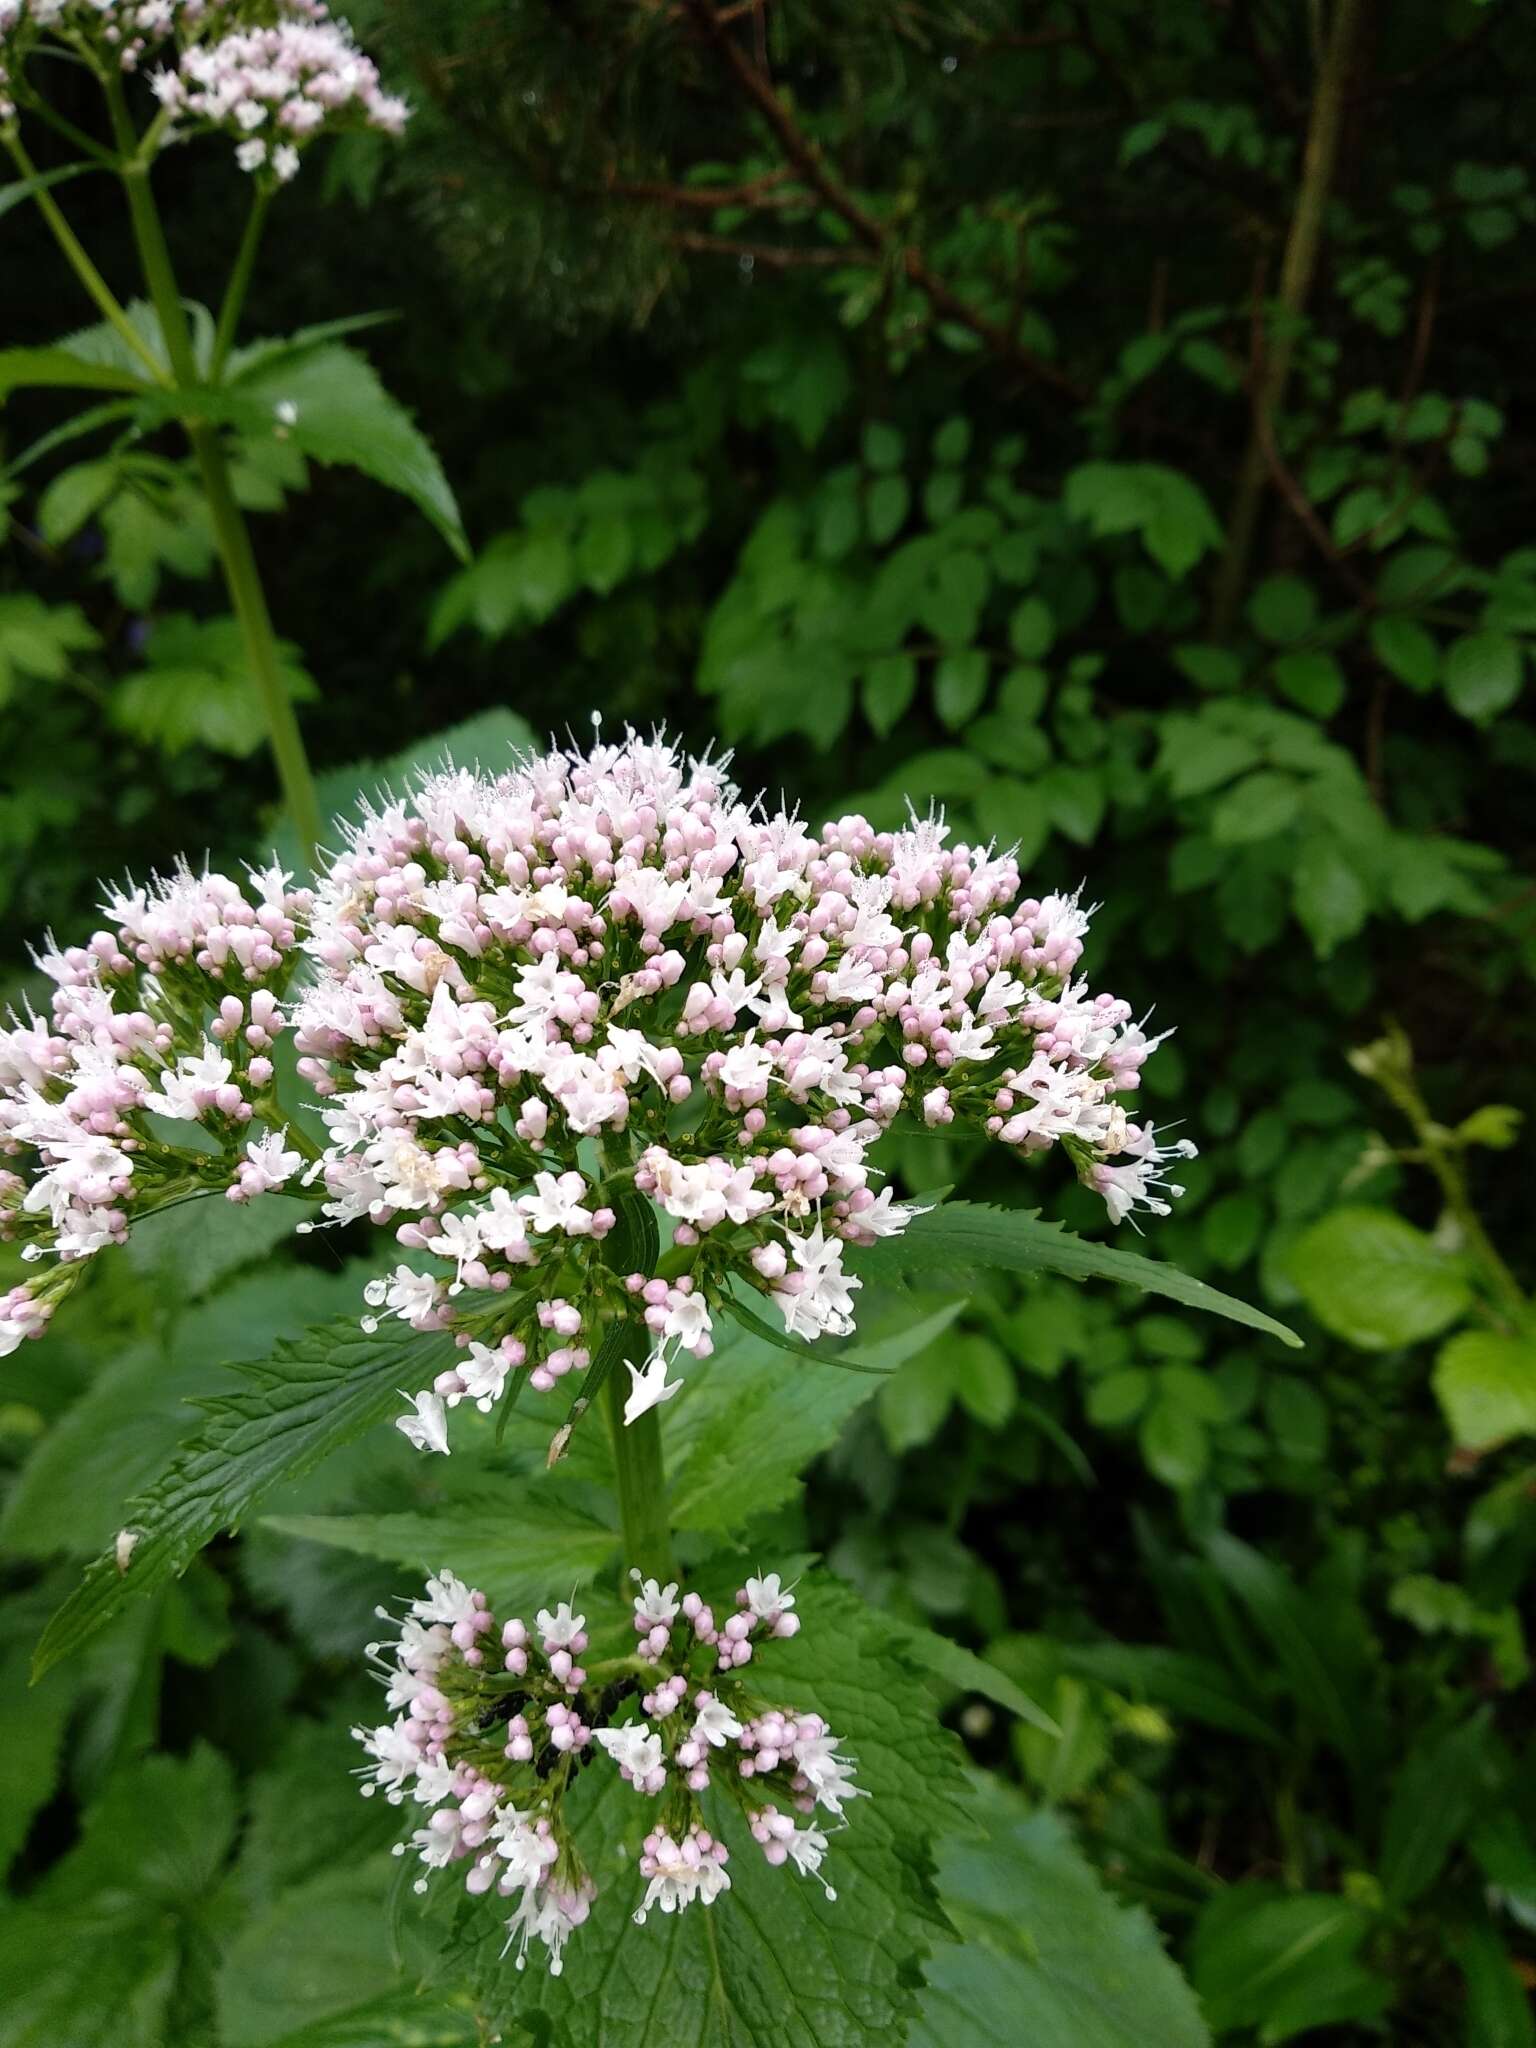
(106,1946)
(311,1397)
(329,403)
(321,1949)
(1486,1384)
(959,1237)
(1375,1280)
(1050,1959)
(124,1430)
(400,2021)
(62,369)
(1284,1963)
(523,1544)
(747,1424)
(1444,1787)
(773,1963)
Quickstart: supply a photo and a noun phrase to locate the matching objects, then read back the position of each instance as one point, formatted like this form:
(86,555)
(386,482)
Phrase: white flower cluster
(494,1724)
(168,1019)
(276,89)
(599,983)
(272,73)
(604,975)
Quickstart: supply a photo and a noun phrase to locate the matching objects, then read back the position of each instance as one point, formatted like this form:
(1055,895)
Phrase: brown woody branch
(760,193)
(811,162)
(772,255)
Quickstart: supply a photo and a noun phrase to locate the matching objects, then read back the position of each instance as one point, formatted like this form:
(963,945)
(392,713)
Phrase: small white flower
(427,1428)
(649,1386)
(716,1723)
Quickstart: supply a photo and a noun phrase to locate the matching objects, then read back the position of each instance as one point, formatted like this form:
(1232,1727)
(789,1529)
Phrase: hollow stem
(642,1487)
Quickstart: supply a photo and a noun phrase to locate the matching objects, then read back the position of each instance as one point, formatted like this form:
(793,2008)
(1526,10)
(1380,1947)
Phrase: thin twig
(809,159)
(772,255)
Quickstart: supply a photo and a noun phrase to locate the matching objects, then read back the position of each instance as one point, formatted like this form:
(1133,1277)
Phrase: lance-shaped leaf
(960,1237)
(312,1396)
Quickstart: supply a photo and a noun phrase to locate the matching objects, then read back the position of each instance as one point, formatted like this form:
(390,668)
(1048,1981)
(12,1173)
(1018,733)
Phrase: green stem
(231,534)
(73,135)
(1296,273)
(642,1486)
(1389,1065)
(95,284)
(250,602)
(238,286)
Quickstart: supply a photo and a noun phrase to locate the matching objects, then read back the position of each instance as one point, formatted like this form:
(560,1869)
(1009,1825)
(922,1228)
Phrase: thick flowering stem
(642,1486)
(231,535)
(250,604)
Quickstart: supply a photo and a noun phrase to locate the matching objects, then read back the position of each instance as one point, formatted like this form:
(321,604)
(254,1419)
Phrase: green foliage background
(906,440)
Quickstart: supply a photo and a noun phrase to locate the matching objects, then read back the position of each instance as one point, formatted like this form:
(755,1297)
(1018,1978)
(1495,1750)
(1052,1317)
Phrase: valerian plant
(273,78)
(608,1052)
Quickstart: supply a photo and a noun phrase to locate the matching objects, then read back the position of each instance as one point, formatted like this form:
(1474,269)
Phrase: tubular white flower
(595,982)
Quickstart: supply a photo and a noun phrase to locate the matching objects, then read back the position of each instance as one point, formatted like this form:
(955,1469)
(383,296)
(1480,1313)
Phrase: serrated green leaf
(1375,1280)
(311,1397)
(329,403)
(1284,1963)
(960,1237)
(124,1429)
(746,1426)
(1050,1959)
(524,1539)
(106,1947)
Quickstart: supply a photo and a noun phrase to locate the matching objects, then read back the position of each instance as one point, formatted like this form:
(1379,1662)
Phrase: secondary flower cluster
(169,1019)
(494,1722)
(276,89)
(599,985)
(272,73)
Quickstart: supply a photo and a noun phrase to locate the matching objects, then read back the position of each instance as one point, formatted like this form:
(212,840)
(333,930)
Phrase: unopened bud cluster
(495,1721)
(536,1000)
